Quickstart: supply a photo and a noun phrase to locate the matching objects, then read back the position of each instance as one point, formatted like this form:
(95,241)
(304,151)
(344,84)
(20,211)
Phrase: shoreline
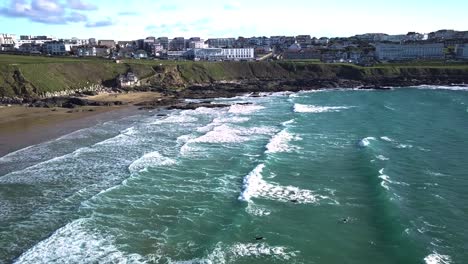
(22,126)
(33,126)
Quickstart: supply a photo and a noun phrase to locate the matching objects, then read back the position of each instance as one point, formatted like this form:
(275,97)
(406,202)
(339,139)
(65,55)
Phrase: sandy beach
(22,126)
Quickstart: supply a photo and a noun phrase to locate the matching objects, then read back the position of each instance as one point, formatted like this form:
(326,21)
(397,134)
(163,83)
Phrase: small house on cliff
(128,80)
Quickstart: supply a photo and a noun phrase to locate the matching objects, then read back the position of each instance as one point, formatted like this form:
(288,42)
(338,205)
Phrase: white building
(7,39)
(239,54)
(128,80)
(34,40)
(198,45)
(79,42)
(92,51)
(221,54)
(391,52)
(56,48)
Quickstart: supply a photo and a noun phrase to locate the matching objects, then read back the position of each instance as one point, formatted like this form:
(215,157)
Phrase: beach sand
(129,98)
(22,126)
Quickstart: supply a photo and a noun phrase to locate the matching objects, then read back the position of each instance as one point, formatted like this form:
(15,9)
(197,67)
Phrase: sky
(130,20)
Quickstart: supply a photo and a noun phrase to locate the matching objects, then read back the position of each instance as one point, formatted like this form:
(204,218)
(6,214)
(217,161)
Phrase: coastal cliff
(41,80)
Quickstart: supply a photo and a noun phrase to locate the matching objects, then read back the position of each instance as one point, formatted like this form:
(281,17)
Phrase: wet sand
(22,126)
(129,98)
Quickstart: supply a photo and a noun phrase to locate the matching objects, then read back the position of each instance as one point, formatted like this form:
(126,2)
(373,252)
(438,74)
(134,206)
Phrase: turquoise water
(314,177)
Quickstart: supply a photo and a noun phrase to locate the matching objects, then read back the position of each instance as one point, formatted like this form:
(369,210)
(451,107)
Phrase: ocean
(335,176)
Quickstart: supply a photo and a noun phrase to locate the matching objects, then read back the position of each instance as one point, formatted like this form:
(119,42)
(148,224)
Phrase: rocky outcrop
(92,89)
(68,102)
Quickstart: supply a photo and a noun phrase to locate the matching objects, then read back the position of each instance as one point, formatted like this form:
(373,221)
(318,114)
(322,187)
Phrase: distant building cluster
(361,49)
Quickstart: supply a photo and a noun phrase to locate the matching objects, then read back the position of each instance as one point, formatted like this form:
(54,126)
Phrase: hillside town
(364,49)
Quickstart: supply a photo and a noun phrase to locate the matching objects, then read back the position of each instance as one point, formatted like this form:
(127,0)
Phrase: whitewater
(336,176)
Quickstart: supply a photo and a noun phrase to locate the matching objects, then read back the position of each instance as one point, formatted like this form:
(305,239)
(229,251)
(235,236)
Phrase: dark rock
(193,106)
(77,101)
(90,93)
(147,108)
(68,105)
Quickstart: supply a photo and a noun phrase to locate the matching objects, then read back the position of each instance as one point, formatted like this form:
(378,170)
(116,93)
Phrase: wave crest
(244,109)
(436,258)
(279,142)
(301,108)
(255,186)
(152,159)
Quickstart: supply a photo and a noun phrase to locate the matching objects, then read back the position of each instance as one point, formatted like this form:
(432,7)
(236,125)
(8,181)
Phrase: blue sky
(128,20)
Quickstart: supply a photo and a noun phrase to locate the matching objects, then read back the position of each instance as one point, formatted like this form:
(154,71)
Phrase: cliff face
(35,80)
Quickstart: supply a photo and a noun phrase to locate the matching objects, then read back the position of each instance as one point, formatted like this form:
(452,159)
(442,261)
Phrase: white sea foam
(74,243)
(262,249)
(181,118)
(129,131)
(252,183)
(280,142)
(254,186)
(436,174)
(185,138)
(221,134)
(365,141)
(436,258)
(229,134)
(202,111)
(232,119)
(276,94)
(244,109)
(289,122)
(386,180)
(222,120)
(228,254)
(389,107)
(152,159)
(382,157)
(441,87)
(386,139)
(256,210)
(404,146)
(301,108)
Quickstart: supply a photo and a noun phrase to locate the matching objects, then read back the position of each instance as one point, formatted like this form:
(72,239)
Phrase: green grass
(51,74)
(21,59)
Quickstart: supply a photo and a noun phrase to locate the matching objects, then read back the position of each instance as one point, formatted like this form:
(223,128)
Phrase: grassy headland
(33,76)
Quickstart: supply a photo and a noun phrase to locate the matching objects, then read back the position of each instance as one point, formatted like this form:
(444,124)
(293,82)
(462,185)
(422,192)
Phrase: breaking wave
(436,258)
(433,87)
(366,141)
(280,142)
(74,243)
(152,159)
(254,186)
(244,109)
(229,254)
(301,108)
